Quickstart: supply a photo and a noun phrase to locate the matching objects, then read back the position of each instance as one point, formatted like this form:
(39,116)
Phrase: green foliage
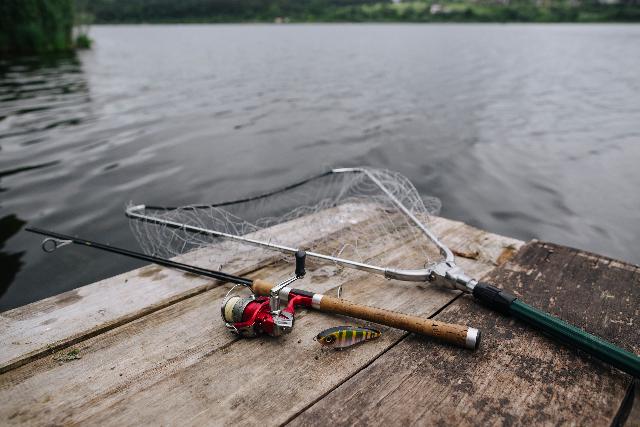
(133,11)
(35,26)
(83,41)
(73,354)
(478,11)
(83,21)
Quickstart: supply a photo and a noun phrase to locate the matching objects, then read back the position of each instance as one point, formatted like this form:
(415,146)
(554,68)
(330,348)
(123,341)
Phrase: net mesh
(340,214)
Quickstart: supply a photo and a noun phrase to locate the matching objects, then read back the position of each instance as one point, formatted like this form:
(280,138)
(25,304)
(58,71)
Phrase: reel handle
(459,335)
(301,257)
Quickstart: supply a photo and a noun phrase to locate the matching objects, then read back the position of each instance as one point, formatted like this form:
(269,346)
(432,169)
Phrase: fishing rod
(261,312)
(57,240)
(395,211)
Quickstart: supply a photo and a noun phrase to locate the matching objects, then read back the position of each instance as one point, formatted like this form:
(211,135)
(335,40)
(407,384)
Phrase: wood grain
(180,365)
(518,376)
(598,294)
(36,329)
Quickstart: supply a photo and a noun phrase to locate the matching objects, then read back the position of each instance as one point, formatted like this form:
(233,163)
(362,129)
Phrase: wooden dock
(149,347)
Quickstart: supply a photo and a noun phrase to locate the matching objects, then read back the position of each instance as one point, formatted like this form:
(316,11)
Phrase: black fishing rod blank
(57,240)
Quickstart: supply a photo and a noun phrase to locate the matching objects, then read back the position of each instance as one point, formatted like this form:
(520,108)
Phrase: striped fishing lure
(346,336)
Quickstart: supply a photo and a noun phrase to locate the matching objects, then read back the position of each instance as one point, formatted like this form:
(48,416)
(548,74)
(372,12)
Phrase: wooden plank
(36,329)
(596,293)
(632,413)
(519,376)
(179,364)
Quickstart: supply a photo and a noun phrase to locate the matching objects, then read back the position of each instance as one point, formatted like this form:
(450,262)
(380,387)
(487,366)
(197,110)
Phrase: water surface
(531,131)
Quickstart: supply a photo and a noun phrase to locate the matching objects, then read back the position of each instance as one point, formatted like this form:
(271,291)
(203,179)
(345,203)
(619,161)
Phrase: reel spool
(233,309)
(249,316)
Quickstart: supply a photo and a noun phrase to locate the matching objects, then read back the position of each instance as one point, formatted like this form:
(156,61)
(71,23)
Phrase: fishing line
(355,216)
(57,240)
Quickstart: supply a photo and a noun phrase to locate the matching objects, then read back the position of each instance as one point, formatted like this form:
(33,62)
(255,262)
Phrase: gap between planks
(369,291)
(46,326)
(519,376)
(365,366)
(38,329)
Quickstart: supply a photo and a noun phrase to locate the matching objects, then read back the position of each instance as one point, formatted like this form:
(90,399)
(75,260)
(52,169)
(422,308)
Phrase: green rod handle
(562,331)
(576,337)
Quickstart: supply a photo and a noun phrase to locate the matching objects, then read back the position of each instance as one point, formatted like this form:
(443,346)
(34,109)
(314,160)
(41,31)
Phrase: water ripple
(525,130)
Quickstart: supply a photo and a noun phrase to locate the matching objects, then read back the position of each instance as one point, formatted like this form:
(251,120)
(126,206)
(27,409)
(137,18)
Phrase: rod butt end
(473,339)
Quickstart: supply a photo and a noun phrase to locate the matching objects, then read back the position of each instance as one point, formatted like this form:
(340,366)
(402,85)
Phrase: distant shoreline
(367,11)
(100,24)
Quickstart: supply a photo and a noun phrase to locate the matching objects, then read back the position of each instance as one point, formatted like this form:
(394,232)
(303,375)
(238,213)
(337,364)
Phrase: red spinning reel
(254,315)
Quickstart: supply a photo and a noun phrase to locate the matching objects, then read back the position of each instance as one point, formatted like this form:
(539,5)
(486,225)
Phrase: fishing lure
(346,336)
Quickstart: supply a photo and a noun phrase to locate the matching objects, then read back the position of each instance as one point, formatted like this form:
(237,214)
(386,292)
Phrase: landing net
(358,215)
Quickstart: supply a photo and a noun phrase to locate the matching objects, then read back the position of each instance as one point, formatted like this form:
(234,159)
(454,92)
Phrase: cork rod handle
(453,334)
(262,287)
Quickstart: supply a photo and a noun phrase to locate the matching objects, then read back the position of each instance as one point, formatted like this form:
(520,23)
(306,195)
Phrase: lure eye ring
(329,339)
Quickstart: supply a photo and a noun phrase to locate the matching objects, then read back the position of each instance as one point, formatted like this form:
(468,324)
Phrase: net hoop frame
(138,212)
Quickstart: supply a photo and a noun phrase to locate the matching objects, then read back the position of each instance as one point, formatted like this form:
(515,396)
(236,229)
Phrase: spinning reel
(253,315)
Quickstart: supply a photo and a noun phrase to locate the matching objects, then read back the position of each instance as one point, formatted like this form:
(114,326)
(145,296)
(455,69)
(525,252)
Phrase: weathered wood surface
(37,329)
(632,412)
(167,359)
(178,364)
(518,376)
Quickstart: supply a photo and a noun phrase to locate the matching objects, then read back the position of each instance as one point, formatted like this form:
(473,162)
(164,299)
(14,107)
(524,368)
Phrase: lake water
(531,131)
